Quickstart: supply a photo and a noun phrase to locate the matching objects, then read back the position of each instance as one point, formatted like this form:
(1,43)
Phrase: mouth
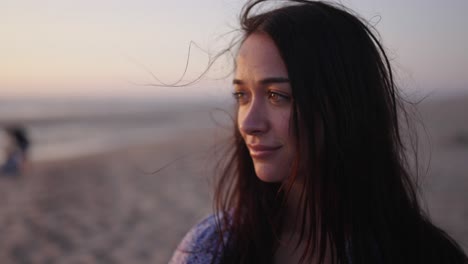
(262,151)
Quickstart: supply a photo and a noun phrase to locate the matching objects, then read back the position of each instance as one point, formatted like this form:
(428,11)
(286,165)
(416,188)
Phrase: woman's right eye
(240,97)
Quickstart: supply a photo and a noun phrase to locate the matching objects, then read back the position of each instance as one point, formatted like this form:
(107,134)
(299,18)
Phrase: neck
(294,210)
(294,222)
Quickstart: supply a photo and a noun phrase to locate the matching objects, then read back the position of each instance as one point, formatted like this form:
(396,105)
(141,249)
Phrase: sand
(107,208)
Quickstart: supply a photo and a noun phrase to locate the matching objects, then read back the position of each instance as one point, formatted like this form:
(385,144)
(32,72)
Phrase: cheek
(239,120)
(282,124)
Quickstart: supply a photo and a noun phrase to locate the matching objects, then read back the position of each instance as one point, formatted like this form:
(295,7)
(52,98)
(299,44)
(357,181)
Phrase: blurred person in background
(16,151)
(319,171)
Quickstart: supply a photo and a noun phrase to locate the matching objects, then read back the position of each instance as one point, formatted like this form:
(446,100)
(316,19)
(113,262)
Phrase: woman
(318,173)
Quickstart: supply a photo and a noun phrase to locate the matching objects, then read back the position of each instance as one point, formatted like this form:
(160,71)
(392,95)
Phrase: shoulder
(201,244)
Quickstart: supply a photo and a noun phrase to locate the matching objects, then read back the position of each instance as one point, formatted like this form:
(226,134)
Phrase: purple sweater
(199,245)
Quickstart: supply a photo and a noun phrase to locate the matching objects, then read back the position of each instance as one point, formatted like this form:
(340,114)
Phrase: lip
(262,151)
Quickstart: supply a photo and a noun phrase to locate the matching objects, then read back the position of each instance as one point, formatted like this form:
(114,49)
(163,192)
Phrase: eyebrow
(265,81)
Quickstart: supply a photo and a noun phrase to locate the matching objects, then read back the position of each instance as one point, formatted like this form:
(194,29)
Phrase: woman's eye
(240,97)
(277,97)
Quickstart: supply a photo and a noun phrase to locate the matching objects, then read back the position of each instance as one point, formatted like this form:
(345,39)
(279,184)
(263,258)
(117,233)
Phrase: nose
(253,118)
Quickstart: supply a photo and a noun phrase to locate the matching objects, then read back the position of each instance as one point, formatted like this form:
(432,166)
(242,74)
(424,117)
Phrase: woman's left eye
(276,97)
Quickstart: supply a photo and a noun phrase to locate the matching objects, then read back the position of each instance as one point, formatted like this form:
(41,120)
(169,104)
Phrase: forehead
(259,58)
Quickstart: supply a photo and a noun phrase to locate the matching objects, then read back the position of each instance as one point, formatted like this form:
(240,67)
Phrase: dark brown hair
(358,193)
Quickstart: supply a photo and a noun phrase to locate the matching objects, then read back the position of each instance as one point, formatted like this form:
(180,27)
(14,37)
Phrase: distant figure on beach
(318,172)
(16,151)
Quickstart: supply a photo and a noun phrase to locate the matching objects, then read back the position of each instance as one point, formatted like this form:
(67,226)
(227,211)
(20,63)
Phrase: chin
(269,175)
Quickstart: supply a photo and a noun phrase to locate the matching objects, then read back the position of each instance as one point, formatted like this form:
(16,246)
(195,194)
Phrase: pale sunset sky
(104,47)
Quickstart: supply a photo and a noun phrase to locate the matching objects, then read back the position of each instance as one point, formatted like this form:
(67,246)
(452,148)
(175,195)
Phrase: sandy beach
(134,204)
(130,205)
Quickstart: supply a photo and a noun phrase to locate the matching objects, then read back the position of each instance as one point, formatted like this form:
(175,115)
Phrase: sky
(112,47)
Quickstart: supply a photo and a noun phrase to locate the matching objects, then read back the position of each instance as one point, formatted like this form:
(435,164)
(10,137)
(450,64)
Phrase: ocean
(64,128)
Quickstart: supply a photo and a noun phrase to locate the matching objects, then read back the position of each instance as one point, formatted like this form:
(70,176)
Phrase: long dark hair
(359,199)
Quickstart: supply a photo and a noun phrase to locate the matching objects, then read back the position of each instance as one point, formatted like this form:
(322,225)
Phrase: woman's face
(263,92)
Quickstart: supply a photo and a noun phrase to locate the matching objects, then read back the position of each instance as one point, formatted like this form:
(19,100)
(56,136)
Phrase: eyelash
(238,96)
(279,96)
